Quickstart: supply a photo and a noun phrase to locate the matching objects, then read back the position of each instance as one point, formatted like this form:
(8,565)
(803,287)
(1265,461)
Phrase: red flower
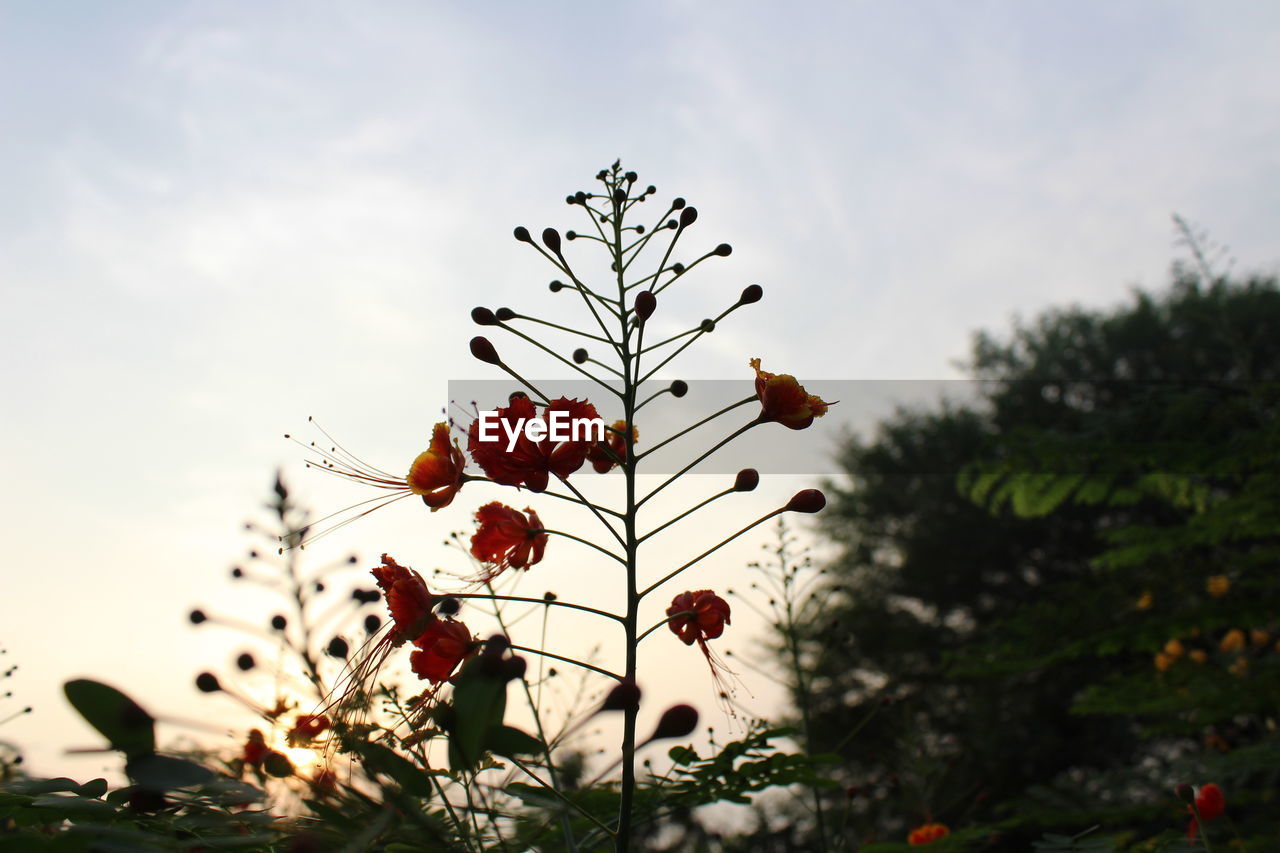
(507,539)
(1210,803)
(440,649)
(530,463)
(436,473)
(307,727)
(697,616)
(784,400)
(616,443)
(928,833)
(255,749)
(408,600)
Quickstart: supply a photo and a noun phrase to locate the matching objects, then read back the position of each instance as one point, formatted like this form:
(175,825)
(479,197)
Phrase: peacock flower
(928,833)
(1259,638)
(1144,601)
(507,539)
(1163,662)
(616,444)
(439,649)
(784,400)
(513,458)
(1174,648)
(408,600)
(436,473)
(1209,804)
(307,728)
(697,616)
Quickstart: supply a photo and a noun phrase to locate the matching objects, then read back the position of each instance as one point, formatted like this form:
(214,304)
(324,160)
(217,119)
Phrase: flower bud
(338,648)
(278,622)
(580,197)
(747,480)
(751,293)
(483,350)
(676,721)
(724,250)
(448,606)
(372,623)
(556,286)
(522,234)
(630,177)
(196,617)
(207,682)
(237,573)
(1184,792)
(504,314)
(677,204)
(688,216)
(571,235)
(619,196)
(625,696)
(551,237)
(808,500)
(679,388)
(514,668)
(579,355)
(650,190)
(646,302)
(707,326)
(496,645)
(483,317)
(245,662)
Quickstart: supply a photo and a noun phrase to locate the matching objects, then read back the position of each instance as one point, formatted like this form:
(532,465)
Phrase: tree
(1010,568)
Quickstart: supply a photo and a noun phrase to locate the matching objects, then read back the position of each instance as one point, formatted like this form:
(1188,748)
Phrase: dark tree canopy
(1011,567)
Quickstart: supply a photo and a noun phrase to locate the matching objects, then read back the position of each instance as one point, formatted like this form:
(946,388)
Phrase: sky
(221,219)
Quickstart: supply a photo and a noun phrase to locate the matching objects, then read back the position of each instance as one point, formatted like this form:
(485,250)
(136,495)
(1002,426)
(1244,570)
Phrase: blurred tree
(1011,568)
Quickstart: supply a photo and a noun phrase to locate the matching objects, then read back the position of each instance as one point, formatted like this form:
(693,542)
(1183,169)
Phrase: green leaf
(121,721)
(166,772)
(411,778)
(479,702)
(510,742)
(278,765)
(73,807)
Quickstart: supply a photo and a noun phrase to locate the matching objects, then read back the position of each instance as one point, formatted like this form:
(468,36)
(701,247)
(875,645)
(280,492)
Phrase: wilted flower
(507,539)
(928,833)
(784,400)
(530,463)
(616,442)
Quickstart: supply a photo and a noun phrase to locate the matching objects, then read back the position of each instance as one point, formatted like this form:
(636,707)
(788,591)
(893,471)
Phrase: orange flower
(436,474)
(307,727)
(1232,641)
(1217,585)
(928,833)
(408,600)
(1210,803)
(507,539)
(530,463)
(440,649)
(784,400)
(616,443)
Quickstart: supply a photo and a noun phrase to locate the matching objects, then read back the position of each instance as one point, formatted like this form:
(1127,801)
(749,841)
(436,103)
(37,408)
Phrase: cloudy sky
(218,219)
